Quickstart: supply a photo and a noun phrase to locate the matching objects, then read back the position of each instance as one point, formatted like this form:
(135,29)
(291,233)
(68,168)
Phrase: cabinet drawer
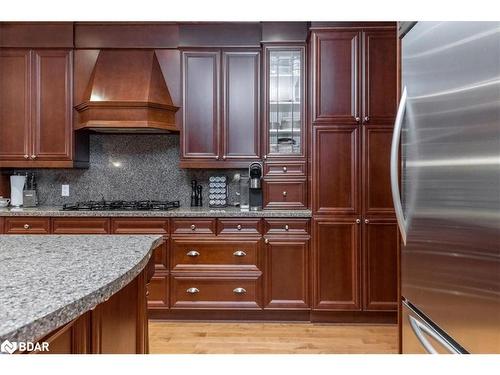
(80,225)
(140,226)
(286,226)
(157,291)
(215,292)
(238,226)
(193,226)
(215,254)
(283,194)
(284,168)
(27,225)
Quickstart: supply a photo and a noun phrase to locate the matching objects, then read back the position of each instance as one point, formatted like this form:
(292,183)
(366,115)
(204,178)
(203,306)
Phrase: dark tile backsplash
(129,167)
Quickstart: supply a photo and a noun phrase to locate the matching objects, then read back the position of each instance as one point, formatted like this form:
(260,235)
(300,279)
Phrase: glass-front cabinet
(285,106)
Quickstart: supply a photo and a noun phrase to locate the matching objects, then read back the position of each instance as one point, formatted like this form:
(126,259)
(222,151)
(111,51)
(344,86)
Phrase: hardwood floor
(269,338)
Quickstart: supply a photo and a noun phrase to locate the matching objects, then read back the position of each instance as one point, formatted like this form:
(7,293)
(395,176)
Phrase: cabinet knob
(192,290)
(33,157)
(193,227)
(367,221)
(284,193)
(367,119)
(238,227)
(239,291)
(358,119)
(26,226)
(193,253)
(224,157)
(358,221)
(266,241)
(26,156)
(217,157)
(285,169)
(265,156)
(287,227)
(239,253)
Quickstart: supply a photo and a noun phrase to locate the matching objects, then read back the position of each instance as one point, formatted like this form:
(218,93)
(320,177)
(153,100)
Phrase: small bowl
(4,202)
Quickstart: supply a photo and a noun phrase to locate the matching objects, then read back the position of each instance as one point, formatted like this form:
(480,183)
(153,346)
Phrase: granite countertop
(178,212)
(46,281)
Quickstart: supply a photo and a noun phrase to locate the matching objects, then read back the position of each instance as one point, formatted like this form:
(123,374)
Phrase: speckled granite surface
(178,212)
(47,281)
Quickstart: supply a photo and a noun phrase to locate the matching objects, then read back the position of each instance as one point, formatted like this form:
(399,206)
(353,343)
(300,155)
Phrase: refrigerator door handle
(396,137)
(419,328)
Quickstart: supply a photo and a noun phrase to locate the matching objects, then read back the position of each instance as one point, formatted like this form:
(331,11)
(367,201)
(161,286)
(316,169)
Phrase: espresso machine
(255,186)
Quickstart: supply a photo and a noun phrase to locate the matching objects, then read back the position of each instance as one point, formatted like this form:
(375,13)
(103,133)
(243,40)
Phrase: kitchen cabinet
(221,107)
(380,254)
(287,272)
(36,108)
(352,113)
(335,170)
(284,193)
(336,268)
(354,71)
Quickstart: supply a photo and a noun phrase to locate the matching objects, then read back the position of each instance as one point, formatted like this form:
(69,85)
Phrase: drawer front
(283,194)
(215,292)
(215,254)
(157,292)
(27,225)
(239,226)
(193,226)
(80,225)
(283,169)
(286,226)
(140,226)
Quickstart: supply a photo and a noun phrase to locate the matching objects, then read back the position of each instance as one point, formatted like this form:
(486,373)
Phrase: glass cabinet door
(285,101)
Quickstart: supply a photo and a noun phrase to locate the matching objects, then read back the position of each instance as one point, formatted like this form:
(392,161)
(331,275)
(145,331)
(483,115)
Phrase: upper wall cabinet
(284,101)
(221,108)
(354,75)
(36,108)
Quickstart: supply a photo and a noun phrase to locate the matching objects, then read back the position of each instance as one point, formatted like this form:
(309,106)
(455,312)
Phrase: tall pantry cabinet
(353,106)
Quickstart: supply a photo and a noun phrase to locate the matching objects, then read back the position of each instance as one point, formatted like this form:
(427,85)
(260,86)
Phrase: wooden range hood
(127,93)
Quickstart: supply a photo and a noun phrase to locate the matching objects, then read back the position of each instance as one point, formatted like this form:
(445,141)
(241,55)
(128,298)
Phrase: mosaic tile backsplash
(130,167)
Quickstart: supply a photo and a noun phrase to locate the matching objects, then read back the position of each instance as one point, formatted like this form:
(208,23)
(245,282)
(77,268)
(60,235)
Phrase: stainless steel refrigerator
(447,134)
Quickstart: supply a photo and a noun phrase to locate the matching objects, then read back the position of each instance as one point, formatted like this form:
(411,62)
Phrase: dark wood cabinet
(336,269)
(286,284)
(335,71)
(241,107)
(201,123)
(15,105)
(380,248)
(283,193)
(335,174)
(53,131)
(36,89)
(379,76)
(376,149)
(221,107)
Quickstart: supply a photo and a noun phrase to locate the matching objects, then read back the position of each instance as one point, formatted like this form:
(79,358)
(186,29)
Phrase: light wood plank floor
(269,338)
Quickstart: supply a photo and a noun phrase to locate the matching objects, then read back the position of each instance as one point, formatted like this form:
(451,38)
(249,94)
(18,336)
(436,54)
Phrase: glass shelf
(285,103)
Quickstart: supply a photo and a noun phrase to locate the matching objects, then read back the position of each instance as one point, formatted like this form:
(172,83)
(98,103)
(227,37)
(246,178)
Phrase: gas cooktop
(104,205)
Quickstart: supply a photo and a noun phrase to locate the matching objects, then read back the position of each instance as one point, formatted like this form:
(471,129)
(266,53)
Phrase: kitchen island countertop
(52,211)
(47,281)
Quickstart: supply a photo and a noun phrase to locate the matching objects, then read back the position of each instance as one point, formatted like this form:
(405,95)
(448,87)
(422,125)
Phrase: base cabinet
(286,272)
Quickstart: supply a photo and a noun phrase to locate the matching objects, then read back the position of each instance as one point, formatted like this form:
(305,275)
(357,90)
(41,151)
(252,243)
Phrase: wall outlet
(65,190)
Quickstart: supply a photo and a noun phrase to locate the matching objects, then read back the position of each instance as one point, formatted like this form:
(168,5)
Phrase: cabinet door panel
(53,104)
(287,273)
(335,170)
(241,112)
(380,72)
(200,104)
(377,195)
(380,252)
(15,104)
(335,76)
(336,264)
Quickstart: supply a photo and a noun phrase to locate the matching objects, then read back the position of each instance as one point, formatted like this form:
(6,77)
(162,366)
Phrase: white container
(16,190)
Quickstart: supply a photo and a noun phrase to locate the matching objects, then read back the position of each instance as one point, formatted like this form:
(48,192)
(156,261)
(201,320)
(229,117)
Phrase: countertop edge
(41,327)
